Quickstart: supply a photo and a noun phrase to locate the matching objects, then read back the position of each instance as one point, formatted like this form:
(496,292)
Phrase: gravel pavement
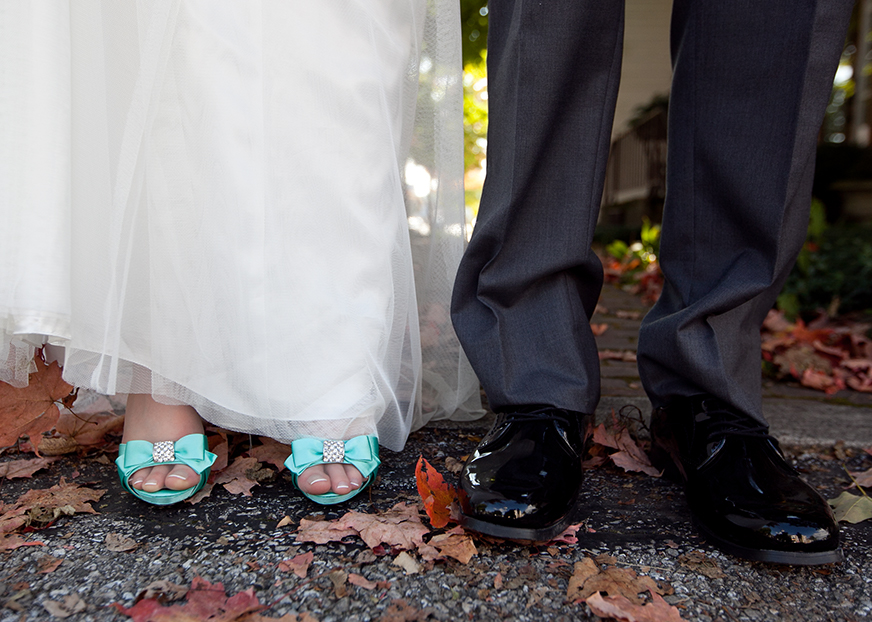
(628,521)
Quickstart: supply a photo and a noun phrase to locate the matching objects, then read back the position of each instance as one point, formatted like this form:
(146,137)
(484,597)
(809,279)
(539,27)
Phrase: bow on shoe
(190,450)
(361,452)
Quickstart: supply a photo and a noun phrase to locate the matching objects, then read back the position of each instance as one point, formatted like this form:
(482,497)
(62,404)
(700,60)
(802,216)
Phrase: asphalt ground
(627,521)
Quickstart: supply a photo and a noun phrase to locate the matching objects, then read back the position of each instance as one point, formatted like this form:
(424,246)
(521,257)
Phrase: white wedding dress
(209,201)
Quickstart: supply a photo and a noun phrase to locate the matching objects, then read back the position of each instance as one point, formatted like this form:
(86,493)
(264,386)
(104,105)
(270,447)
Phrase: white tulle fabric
(209,201)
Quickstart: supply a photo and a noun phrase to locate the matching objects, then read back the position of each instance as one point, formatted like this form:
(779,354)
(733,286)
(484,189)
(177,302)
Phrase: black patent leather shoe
(745,499)
(523,480)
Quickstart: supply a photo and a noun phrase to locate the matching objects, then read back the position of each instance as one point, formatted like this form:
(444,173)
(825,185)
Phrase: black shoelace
(545,413)
(725,422)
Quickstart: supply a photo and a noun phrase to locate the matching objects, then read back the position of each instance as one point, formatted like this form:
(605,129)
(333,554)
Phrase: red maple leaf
(205,601)
(437,495)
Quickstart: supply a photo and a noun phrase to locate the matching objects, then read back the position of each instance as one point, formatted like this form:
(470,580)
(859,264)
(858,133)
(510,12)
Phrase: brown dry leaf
(453,465)
(49,564)
(456,543)
(239,476)
(322,531)
(39,508)
(851,508)
(71,605)
(339,578)
(407,563)
(698,562)
(31,410)
(631,463)
(299,564)
(498,581)
(401,611)
(628,356)
(361,581)
(9,542)
(204,601)
(205,491)
(163,591)
(288,617)
(24,468)
(219,446)
(598,329)
(400,527)
(620,608)
(612,580)
(862,478)
(272,452)
(284,522)
(582,571)
(117,543)
(88,429)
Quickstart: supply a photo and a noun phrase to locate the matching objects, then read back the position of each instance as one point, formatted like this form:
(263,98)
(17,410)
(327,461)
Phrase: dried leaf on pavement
(361,581)
(339,578)
(88,429)
(588,578)
(32,410)
(49,564)
(299,564)
(621,608)
(400,527)
(118,543)
(436,494)
(9,542)
(38,508)
(698,562)
(71,605)
(407,563)
(240,476)
(851,508)
(204,601)
(862,478)
(163,591)
(456,543)
(272,452)
(24,468)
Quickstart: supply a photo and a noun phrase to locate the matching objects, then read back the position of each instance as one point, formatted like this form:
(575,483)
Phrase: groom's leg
(750,86)
(529,282)
(751,81)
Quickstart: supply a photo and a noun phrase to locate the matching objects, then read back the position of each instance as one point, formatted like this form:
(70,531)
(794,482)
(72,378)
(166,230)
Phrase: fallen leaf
(49,564)
(361,581)
(299,564)
(598,329)
(71,605)
(204,601)
(456,545)
(407,563)
(621,608)
(24,468)
(862,478)
(698,562)
(9,542)
(498,581)
(238,477)
(631,463)
(31,410)
(162,591)
(584,582)
(400,527)
(90,429)
(40,507)
(339,578)
(401,611)
(117,543)
(436,494)
(628,356)
(205,491)
(851,508)
(272,452)
(453,465)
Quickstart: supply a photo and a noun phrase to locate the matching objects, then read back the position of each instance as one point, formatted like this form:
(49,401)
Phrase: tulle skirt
(210,201)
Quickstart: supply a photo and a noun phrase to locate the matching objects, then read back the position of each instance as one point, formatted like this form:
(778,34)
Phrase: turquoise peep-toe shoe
(191,450)
(361,452)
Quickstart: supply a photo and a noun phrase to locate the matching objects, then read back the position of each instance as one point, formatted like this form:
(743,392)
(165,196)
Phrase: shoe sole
(788,558)
(542,534)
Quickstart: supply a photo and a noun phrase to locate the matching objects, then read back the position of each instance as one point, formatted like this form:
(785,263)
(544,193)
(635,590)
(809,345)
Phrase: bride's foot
(148,420)
(338,478)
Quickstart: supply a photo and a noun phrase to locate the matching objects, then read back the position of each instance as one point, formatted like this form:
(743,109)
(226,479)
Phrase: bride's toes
(338,479)
(138,479)
(181,477)
(156,479)
(314,481)
(355,479)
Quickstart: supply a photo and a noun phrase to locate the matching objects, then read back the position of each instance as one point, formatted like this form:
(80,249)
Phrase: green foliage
(473,27)
(475,112)
(637,256)
(833,271)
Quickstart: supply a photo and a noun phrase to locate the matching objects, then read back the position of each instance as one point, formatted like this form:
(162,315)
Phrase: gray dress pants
(751,82)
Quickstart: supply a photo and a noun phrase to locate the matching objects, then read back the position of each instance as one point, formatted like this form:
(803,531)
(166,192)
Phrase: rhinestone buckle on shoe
(163,451)
(334,452)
